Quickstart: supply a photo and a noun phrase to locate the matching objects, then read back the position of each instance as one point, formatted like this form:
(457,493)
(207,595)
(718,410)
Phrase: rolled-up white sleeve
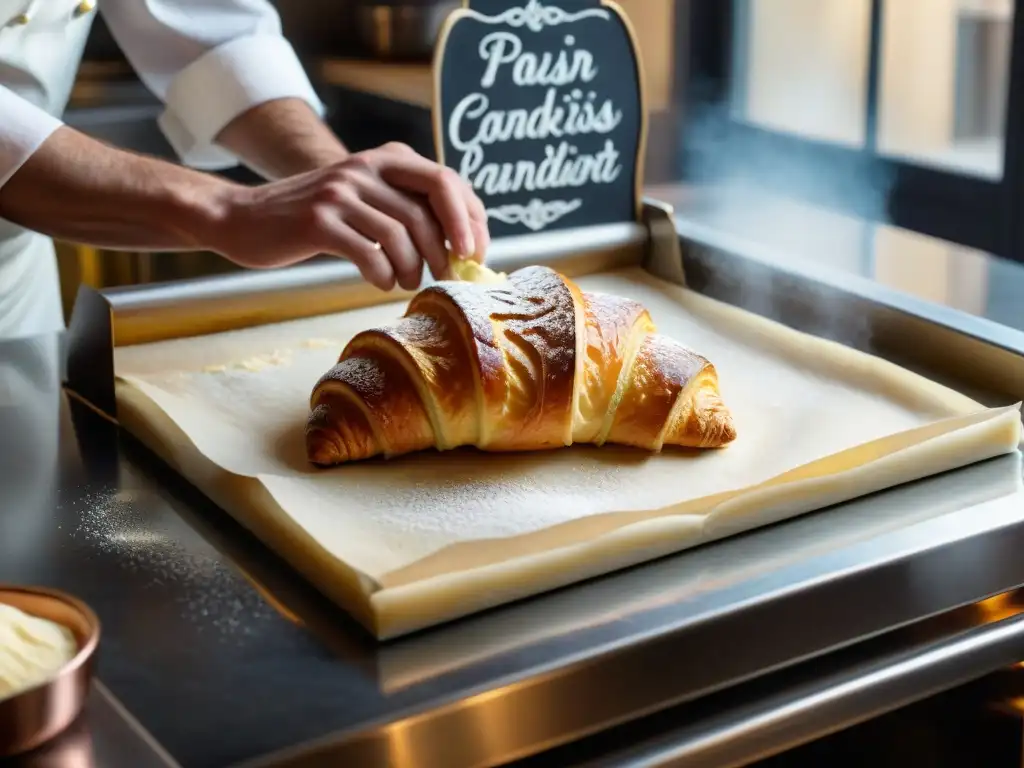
(208,61)
(23,129)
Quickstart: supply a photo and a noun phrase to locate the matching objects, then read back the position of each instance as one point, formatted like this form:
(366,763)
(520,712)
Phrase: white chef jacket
(207,60)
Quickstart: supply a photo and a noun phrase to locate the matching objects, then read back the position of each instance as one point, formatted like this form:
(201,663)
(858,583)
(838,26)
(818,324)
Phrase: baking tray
(372,551)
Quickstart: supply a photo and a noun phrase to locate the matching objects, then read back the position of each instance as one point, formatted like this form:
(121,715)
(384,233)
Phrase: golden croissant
(521,362)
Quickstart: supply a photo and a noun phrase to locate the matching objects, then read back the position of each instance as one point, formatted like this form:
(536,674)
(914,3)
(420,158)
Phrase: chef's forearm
(282,138)
(77,189)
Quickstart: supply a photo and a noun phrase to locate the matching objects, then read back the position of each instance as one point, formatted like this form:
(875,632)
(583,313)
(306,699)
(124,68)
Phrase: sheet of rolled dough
(417,540)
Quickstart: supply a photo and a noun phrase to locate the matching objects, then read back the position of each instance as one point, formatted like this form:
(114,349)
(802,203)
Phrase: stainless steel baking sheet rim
(392,612)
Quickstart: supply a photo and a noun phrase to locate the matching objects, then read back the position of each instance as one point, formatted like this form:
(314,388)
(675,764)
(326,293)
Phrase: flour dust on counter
(150,552)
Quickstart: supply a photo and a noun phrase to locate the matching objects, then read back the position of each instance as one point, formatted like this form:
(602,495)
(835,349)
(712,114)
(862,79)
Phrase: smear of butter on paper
(252,364)
(322,343)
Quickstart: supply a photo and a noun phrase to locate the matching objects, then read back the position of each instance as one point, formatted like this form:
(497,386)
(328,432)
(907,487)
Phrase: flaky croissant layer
(521,362)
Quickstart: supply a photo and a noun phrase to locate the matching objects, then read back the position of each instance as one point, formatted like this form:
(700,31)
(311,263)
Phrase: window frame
(972,211)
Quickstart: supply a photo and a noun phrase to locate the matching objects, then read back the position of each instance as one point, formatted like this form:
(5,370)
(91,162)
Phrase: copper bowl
(34,716)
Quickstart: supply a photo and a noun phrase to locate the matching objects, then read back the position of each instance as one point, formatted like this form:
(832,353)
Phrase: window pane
(801,66)
(944,75)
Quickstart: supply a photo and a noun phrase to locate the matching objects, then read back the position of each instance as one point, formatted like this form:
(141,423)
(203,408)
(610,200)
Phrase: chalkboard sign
(539,105)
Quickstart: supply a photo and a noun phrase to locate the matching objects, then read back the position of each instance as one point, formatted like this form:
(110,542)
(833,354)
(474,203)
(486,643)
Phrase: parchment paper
(416,540)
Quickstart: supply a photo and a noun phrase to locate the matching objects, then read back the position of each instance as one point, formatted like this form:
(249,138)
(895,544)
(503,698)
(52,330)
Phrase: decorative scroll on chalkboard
(539,105)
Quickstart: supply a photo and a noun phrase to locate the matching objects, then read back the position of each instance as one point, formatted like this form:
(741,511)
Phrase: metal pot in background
(400,30)
(318,27)
(100,46)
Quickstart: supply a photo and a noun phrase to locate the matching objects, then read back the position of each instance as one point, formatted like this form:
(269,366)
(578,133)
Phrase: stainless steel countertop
(225,655)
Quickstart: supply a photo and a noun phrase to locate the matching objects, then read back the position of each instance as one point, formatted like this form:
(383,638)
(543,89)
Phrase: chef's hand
(387,210)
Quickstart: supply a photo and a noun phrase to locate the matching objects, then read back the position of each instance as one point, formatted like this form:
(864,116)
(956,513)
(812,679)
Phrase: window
(904,112)
(943,83)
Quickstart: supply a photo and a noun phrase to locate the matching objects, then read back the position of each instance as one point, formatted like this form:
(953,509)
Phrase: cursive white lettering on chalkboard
(473,125)
(535,15)
(565,68)
(567,113)
(536,214)
(563,166)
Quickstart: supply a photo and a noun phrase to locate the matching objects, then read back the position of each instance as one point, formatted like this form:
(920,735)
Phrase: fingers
(443,187)
(408,204)
(418,219)
(478,223)
(394,238)
(340,239)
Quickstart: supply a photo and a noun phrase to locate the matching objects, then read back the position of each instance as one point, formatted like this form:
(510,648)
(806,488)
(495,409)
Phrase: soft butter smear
(469,271)
(32,650)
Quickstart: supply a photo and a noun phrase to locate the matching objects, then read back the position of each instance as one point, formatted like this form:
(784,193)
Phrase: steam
(789,207)
(804,172)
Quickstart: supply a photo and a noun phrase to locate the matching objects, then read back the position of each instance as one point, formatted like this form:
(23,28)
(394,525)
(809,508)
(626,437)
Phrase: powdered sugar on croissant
(526,361)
